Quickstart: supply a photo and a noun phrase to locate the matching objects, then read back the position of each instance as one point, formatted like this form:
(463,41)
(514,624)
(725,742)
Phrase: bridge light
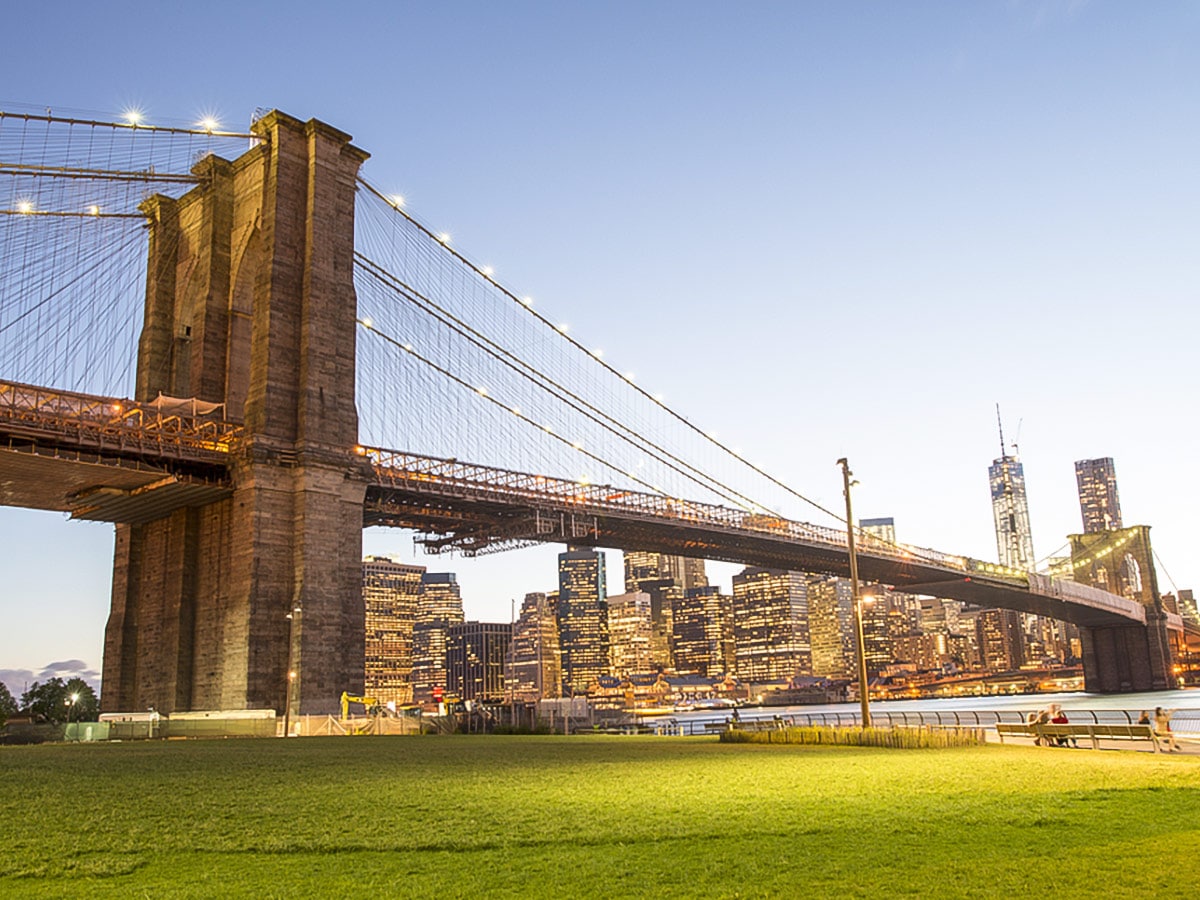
(488,271)
(93,210)
(482,391)
(578,445)
(528,301)
(628,376)
(134,116)
(116,407)
(598,353)
(408,347)
(563,327)
(397,200)
(367,322)
(360,450)
(209,124)
(24,206)
(444,237)
(659,399)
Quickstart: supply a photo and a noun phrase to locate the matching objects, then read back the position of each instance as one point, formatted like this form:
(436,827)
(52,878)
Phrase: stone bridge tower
(1119,659)
(250,302)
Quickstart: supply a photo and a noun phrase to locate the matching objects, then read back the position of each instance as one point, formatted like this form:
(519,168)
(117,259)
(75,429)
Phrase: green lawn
(592,816)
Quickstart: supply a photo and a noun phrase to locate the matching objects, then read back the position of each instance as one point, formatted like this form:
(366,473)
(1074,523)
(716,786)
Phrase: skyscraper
(770,624)
(475,657)
(390,592)
(687,571)
(883,529)
(887,616)
(831,626)
(1001,644)
(703,632)
(1010,511)
(664,578)
(535,668)
(629,630)
(582,618)
(1098,500)
(439,605)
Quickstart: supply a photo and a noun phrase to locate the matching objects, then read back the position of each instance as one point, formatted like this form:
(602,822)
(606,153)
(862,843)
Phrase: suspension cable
(557,389)
(629,382)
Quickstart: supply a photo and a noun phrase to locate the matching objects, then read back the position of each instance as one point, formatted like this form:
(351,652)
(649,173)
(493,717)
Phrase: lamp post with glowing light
(71,702)
(292,617)
(856,597)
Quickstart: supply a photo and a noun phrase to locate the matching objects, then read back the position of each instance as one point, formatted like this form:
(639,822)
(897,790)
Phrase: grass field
(592,817)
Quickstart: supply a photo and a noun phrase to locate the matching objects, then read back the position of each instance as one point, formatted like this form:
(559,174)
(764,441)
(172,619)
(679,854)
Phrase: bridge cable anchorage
(485,276)
(563,393)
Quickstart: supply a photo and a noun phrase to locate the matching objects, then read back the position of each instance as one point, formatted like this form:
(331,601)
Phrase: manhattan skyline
(823,232)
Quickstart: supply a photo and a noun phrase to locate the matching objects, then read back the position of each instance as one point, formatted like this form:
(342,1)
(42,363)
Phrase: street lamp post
(291,669)
(856,598)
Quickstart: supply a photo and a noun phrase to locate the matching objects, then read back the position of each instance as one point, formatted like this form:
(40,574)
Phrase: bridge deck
(119,461)
(476,508)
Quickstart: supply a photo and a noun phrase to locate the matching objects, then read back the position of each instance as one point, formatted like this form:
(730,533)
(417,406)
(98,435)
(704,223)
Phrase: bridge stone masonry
(250,302)
(1123,657)
(239,520)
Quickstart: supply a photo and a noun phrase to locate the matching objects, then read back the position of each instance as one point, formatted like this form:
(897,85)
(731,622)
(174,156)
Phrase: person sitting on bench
(1162,727)
(1060,718)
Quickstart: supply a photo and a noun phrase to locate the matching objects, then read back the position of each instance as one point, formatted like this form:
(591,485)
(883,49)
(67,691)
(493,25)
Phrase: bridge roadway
(477,508)
(105,459)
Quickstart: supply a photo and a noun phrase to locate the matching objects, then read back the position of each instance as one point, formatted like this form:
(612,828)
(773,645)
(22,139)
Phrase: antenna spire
(1000,425)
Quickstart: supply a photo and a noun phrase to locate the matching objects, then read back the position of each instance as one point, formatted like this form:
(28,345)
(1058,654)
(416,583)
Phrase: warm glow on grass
(591,816)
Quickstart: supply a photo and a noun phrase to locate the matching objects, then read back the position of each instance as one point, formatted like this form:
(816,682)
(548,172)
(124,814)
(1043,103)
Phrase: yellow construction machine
(372,706)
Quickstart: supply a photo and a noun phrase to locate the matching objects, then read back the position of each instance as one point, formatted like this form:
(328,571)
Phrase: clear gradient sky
(832,229)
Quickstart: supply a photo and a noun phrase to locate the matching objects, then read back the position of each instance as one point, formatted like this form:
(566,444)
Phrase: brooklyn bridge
(240,352)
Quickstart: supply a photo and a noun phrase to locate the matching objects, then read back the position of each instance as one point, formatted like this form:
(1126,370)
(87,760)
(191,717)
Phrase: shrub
(847,736)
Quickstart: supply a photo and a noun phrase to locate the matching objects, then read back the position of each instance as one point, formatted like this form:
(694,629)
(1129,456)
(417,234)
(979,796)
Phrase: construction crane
(372,706)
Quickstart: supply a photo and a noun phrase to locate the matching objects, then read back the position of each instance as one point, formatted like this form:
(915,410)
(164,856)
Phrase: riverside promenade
(974,712)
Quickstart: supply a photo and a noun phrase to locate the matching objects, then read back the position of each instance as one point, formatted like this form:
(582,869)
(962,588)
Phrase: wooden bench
(1051,733)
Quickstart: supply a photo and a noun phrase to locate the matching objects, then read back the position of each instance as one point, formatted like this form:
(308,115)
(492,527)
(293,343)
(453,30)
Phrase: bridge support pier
(250,302)
(1127,659)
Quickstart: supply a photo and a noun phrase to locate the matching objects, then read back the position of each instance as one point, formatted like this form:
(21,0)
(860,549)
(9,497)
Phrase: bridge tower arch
(250,303)
(1123,658)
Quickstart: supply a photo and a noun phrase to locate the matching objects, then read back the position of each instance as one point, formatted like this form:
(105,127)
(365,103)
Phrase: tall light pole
(291,668)
(71,702)
(856,597)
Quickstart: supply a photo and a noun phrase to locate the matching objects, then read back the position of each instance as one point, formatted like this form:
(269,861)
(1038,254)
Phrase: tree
(85,707)
(44,702)
(8,705)
(54,701)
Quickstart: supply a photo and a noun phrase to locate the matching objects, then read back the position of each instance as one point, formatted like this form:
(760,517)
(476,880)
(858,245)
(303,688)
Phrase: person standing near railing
(1162,727)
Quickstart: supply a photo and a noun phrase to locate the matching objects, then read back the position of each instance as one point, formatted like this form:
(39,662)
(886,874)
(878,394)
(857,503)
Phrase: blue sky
(828,228)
